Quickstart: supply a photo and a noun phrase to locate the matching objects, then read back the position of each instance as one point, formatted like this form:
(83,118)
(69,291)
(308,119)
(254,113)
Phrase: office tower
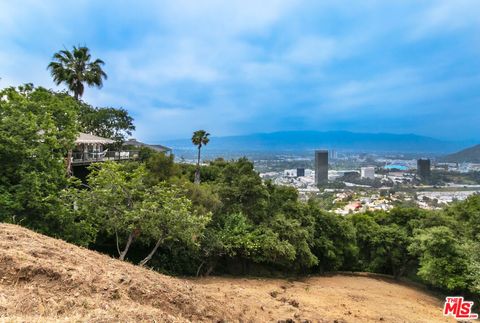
(367,172)
(333,154)
(423,168)
(300,172)
(321,167)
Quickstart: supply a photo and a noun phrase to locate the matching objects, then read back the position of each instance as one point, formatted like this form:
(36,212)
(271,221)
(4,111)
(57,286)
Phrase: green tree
(161,167)
(75,68)
(135,211)
(333,241)
(255,222)
(144,153)
(237,238)
(72,220)
(365,229)
(112,123)
(204,197)
(389,253)
(383,247)
(290,219)
(172,218)
(37,128)
(199,139)
(444,261)
(242,190)
(299,238)
(466,215)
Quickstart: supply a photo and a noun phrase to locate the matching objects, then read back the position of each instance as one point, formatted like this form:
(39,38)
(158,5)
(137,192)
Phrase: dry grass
(41,278)
(44,279)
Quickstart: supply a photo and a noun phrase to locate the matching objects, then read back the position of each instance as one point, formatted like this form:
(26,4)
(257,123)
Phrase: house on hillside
(90,148)
(137,144)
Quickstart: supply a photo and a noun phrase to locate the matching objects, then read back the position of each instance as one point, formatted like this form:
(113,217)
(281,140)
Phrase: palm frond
(74,68)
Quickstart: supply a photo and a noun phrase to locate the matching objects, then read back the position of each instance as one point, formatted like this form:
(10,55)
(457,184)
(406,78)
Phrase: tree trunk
(401,271)
(197,171)
(150,255)
(199,267)
(127,246)
(209,270)
(69,163)
(116,238)
(75,95)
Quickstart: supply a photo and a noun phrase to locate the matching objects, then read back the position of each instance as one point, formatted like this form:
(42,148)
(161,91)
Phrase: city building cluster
(382,185)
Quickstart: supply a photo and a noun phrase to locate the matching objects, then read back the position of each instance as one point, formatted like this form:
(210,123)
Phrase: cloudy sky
(236,67)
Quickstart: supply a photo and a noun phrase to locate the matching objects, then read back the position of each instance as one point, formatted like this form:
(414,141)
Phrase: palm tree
(75,68)
(199,139)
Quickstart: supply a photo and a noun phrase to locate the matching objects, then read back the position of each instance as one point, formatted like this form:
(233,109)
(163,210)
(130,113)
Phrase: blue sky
(236,67)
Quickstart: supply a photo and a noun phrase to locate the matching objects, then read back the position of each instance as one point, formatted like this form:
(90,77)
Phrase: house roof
(136,143)
(86,138)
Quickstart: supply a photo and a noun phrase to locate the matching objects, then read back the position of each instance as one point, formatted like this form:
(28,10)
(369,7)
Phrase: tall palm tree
(199,139)
(75,68)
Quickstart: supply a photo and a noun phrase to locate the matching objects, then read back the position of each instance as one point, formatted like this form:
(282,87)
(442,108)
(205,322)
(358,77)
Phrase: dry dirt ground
(44,280)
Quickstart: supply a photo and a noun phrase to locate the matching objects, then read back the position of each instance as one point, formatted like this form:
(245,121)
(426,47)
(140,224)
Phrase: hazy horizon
(188,136)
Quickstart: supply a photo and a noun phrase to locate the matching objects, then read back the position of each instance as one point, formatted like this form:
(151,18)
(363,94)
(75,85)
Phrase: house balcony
(80,158)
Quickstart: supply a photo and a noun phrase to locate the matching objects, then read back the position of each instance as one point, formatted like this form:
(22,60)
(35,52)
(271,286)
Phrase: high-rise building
(321,167)
(367,172)
(300,172)
(333,154)
(423,168)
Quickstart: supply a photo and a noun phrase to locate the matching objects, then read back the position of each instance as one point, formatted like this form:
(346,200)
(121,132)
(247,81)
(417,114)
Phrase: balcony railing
(79,157)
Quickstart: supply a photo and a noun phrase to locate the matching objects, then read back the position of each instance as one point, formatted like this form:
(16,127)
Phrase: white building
(290,173)
(367,172)
(309,172)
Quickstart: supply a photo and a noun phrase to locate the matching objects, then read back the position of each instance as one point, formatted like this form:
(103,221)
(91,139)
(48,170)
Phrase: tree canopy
(37,127)
(111,123)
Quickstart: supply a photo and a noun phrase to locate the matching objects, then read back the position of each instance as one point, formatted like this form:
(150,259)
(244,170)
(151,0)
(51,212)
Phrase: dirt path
(337,298)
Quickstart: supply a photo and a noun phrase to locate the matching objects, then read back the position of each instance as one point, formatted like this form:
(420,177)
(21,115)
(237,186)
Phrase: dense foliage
(121,203)
(37,127)
(232,222)
(106,122)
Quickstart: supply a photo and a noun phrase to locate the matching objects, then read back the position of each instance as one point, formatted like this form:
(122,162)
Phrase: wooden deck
(84,158)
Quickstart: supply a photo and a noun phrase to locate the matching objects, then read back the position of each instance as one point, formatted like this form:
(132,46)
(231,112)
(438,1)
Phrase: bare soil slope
(44,279)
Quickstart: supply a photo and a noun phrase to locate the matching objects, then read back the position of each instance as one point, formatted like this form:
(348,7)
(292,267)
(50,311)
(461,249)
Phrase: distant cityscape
(365,172)
(355,182)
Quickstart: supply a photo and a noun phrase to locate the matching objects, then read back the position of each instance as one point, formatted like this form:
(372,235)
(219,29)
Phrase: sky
(239,67)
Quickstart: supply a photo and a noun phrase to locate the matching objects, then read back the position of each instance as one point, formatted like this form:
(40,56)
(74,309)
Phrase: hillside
(340,140)
(469,155)
(44,279)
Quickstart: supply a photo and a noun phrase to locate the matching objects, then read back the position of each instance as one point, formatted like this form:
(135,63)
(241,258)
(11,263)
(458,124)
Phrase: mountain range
(338,140)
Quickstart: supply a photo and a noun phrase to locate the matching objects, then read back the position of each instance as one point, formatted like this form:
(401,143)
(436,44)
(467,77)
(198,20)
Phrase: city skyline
(247,67)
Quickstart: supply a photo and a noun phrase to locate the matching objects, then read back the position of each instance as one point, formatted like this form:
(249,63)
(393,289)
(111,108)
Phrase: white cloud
(447,16)
(238,66)
(218,17)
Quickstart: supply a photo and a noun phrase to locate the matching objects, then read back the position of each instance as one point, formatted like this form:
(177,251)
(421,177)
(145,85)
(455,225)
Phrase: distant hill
(340,140)
(468,155)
